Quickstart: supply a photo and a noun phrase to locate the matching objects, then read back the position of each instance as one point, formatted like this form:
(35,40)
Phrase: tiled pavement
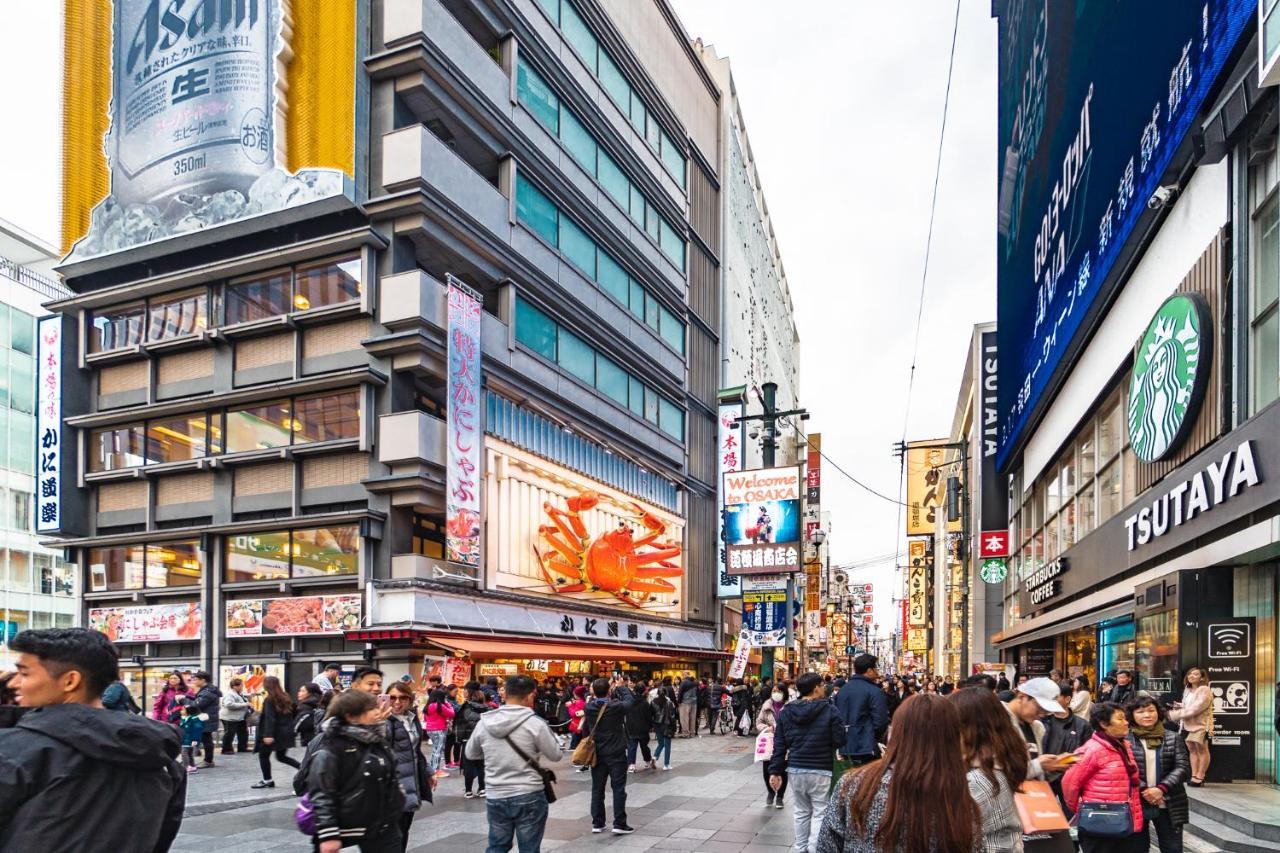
(713,800)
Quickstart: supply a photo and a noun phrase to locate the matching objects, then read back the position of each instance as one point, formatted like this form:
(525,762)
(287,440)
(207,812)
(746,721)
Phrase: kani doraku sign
(1219,481)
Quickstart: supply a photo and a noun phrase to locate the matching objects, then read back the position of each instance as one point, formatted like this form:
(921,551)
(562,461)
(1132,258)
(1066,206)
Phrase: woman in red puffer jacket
(1107,773)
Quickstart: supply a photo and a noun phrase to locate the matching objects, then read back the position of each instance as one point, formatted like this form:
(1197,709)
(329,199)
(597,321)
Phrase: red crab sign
(629,568)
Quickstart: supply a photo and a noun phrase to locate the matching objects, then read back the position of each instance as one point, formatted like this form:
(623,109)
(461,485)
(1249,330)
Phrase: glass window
(259,427)
(538,98)
(332,282)
(22,382)
(579,35)
(653,134)
(1067,485)
(1110,435)
(552,8)
(114,328)
(577,247)
(650,405)
(611,379)
(535,330)
(1264,321)
(639,115)
(1266,359)
(673,159)
(326,551)
(116,447)
(576,357)
(611,277)
(650,310)
(1087,456)
(21,509)
(670,418)
(651,222)
(328,417)
(636,403)
(259,298)
(176,315)
(4,383)
(615,183)
(19,575)
(1051,543)
(257,556)
(23,327)
(671,329)
(672,243)
(121,567)
(1084,512)
(4,327)
(177,439)
(536,210)
(637,299)
(174,564)
(1110,498)
(638,205)
(578,140)
(1067,525)
(614,83)
(22,439)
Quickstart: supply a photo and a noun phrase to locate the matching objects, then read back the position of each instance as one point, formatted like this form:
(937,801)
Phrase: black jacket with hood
(807,735)
(352,782)
(75,778)
(208,700)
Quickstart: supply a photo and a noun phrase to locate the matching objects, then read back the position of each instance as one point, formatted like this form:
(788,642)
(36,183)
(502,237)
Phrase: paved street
(712,800)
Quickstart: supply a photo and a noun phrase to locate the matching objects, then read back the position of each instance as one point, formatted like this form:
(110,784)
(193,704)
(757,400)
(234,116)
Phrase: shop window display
(1115,647)
(279,554)
(154,565)
(1156,653)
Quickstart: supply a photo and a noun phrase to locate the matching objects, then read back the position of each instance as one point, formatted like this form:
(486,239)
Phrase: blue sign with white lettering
(1095,99)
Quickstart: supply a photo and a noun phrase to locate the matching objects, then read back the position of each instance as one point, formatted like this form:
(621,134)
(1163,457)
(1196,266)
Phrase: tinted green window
(611,379)
(673,159)
(4,380)
(611,277)
(670,418)
(671,329)
(653,134)
(577,246)
(614,83)
(24,332)
(538,98)
(636,403)
(552,8)
(637,206)
(637,299)
(535,330)
(651,308)
(535,210)
(638,115)
(577,358)
(650,405)
(651,220)
(671,243)
(22,382)
(579,35)
(615,183)
(579,141)
(22,442)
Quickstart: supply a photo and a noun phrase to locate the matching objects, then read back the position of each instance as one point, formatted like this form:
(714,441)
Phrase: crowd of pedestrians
(863,763)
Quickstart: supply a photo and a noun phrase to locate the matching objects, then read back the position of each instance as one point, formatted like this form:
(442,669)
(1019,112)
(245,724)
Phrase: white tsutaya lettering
(1198,499)
(1128,526)
(1245,472)
(1160,516)
(1217,474)
(1175,500)
(1144,525)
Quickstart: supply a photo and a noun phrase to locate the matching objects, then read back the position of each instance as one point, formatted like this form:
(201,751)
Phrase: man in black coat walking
(75,776)
(604,719)
(208,700)
(804,742)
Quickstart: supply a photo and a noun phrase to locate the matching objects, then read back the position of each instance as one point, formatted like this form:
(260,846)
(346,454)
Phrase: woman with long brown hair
(275,730)
(997,759)
(1195,712)
(915,798)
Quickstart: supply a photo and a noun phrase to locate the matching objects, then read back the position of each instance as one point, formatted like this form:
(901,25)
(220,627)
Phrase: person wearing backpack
(350,780)
(664,724)
(513,742)
(464,724)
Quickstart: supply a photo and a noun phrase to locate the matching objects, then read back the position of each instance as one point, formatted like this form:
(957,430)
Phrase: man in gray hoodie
(515,802)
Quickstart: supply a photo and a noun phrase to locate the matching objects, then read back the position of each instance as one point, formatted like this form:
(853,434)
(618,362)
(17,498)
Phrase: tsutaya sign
(1213,485)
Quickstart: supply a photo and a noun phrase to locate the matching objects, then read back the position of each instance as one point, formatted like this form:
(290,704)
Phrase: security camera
(1162,197)
(754,433)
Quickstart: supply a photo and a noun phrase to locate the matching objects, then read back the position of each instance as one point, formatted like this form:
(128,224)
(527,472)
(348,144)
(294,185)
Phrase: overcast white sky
(843,102)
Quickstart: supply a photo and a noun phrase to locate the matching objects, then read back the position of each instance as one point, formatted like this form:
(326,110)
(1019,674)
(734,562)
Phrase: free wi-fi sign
(1229,640)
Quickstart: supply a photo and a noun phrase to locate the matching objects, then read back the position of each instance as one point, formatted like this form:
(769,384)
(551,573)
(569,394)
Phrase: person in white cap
(1032,700)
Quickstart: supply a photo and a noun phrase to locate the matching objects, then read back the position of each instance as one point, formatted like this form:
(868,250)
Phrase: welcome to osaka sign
(1096,97)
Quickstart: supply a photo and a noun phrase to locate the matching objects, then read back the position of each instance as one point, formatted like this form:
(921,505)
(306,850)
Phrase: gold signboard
(927,488)
(917,639)
(918,587)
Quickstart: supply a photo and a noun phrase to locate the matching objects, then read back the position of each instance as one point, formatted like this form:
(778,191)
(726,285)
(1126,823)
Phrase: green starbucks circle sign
(994,570)
(1170,372)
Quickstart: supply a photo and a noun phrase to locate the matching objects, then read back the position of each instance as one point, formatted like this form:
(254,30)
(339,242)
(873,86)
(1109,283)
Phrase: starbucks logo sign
(1170,372)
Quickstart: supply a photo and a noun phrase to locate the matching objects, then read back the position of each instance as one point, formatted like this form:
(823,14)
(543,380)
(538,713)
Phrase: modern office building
(37,589)
(278,422)
(1139,350)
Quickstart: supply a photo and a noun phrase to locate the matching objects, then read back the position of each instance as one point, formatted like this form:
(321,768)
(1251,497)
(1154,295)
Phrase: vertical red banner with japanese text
(462,486)
(731,458)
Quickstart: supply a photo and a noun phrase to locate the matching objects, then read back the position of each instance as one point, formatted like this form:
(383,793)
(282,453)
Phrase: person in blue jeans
(514,743)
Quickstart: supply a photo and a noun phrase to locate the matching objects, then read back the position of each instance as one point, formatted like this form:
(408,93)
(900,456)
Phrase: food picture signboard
(283,617)
(564,536)
(762,520)
(149,623)
(181,121)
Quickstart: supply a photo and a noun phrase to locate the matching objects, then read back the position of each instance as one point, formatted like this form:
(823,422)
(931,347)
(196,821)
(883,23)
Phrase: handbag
(1105,820)
(584,754)
(548,777)
(764,745)
(304,816)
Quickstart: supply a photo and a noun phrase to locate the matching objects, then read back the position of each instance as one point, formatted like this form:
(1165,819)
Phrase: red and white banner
(462,486)
(740,655)
(993,543)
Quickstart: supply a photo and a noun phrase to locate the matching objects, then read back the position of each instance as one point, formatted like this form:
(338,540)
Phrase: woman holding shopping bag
(766,722)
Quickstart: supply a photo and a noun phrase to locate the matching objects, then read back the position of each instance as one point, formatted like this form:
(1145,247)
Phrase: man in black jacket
(208,700)
(805,739)
(604,719)
(1124,690)
(687,699)
(73,775)
(639,724)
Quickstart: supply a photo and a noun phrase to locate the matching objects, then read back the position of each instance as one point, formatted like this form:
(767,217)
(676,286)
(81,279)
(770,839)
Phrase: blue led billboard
(1095,99)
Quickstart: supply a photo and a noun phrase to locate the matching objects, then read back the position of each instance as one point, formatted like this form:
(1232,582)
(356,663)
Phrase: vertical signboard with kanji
(49,426)
(730,460)
(462,486)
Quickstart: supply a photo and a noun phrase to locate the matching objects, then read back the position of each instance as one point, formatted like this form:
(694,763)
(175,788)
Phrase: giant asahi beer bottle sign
(195,121)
